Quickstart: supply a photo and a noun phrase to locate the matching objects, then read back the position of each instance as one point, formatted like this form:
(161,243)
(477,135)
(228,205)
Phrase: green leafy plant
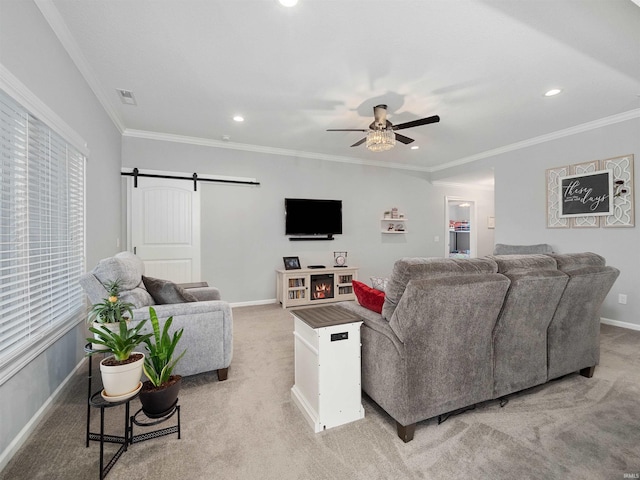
(120,343)
(159,363)
(111,309)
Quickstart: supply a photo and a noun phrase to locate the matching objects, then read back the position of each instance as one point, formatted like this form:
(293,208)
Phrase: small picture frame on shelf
(291,263)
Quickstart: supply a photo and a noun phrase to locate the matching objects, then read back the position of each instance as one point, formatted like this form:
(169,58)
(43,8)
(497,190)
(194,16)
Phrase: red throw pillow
(368,297)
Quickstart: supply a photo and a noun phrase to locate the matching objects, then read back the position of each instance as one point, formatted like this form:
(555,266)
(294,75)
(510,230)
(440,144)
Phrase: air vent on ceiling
(126,96)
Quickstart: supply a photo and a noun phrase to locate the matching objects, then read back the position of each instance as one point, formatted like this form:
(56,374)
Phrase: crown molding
(584,127)
(168,137)
(466,186)
(55,21)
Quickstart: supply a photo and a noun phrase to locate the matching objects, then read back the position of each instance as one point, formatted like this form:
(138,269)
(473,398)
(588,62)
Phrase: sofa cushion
(523,263)
(575,261)
(368,297)
(139,297)
(407,269)
(125,267)
(504,249)
(379,283)
(166,292)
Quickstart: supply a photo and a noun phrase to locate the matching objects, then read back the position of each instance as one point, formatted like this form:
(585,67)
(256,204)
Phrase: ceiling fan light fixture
(381,140)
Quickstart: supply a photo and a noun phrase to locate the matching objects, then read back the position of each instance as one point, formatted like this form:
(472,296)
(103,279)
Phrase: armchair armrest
(207,338)
(201,290)
(183,309)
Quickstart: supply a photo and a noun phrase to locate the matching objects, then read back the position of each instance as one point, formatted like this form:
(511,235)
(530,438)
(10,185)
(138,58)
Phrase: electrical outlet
(622,298)
(118,242)
(436,238)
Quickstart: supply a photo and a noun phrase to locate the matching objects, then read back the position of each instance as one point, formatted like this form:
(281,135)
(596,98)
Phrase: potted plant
(160,393)
(110,311)
(122,371)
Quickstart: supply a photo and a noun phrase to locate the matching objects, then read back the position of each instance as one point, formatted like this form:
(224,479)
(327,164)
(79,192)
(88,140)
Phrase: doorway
(461,228)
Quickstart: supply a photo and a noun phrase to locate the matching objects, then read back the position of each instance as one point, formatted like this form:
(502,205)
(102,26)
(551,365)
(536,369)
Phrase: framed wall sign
(584,195)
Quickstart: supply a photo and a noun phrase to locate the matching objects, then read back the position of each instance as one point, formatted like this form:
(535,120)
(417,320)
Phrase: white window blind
(41,233)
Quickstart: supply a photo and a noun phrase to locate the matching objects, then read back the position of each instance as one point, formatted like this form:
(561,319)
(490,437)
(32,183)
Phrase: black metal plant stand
(140,419)
(95,400)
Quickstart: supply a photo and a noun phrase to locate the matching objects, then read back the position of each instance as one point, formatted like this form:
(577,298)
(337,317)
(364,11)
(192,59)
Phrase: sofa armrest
(207,337)
(182,309)
(204,294)
(93,288)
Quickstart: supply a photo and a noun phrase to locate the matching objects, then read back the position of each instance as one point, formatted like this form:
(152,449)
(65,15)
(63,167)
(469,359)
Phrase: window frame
(17,359)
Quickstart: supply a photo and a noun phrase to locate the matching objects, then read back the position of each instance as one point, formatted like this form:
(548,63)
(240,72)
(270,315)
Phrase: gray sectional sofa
(456,332)
(207,322)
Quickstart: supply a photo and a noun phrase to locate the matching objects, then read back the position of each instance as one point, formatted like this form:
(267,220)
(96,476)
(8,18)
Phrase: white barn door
(164,221)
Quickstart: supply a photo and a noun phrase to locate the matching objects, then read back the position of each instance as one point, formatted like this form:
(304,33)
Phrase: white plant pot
(114,327)
(121,379)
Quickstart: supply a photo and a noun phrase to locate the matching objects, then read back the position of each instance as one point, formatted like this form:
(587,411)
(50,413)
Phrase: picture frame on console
(291,263)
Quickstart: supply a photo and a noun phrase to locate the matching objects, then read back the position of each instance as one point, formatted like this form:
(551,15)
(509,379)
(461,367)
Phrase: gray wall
(32,53)
(243,239)
(520,197)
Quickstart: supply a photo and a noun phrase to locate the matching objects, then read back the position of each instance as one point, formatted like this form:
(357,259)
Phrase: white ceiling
(481,65)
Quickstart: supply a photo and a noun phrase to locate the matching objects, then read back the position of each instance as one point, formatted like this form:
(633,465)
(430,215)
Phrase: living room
(243,239)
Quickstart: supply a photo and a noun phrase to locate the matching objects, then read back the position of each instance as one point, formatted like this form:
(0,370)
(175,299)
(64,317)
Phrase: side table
(327,366)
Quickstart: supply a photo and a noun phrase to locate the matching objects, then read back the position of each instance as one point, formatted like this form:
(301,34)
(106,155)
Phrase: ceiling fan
(381,134)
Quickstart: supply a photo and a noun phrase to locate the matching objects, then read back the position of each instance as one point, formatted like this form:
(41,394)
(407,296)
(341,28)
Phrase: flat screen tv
(305,216)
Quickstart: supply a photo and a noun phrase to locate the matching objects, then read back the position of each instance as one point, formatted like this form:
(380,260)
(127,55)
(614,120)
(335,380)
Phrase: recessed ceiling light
(238,118)
(288,3)
(415,147)
(552,92)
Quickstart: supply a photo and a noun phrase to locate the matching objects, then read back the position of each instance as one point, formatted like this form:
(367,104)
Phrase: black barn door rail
(194,178)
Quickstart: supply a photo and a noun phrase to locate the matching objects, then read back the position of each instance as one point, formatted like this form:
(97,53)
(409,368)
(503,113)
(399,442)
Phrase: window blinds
(41,232)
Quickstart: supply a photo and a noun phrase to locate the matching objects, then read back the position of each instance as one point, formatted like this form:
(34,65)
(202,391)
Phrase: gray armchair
(207,321)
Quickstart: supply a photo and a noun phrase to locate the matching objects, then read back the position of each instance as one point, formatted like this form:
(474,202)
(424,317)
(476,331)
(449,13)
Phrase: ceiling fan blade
(346,130)
(417,123)
(359,142)
(403,139)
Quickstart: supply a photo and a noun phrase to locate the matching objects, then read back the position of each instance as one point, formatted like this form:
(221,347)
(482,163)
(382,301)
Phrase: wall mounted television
(320,219)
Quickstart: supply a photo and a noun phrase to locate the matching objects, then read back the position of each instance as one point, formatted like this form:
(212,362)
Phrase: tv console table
(315,286)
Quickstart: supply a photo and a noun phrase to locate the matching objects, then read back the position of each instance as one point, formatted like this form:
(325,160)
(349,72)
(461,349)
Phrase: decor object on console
(490,308)
(159,394)
(340,259)
(209,318)
(291,263)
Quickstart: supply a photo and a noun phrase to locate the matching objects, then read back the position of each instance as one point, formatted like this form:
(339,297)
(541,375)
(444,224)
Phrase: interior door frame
(473,233)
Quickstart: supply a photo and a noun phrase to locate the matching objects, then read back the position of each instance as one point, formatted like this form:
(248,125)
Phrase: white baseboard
(26,431)
(253,303)
(617,323)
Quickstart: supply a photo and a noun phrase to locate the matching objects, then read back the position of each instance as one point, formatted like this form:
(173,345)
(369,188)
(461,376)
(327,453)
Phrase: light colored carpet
(248,428)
